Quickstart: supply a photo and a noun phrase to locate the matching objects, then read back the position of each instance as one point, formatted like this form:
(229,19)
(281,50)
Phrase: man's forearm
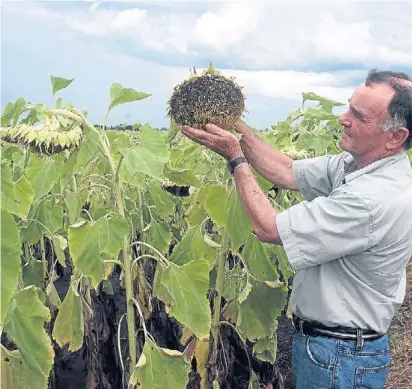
(257,206)
(273,165)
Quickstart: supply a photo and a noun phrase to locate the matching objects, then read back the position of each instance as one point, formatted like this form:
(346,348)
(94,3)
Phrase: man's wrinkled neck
(360,161)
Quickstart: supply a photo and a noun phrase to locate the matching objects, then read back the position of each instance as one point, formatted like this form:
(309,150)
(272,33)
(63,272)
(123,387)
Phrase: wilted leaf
(47,219)
(43,174)
(182,176)
(24,326)
(237,221)
(258,260)
(69,325)
(163,201)
(201,355)
(160,368)
(88,240)
(13,373)
(159,235)
(265,349)
(16,197)
(59,245)
(10,260)
(215,204)
(259,312)
(187,286)
(192,247)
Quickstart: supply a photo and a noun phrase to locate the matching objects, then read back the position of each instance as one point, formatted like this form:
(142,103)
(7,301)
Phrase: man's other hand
(216,139)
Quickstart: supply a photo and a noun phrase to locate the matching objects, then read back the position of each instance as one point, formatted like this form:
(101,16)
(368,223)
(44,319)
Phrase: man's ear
(397,138)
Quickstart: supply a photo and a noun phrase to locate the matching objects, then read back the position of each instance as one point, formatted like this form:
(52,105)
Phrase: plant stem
(127,258)
(140,206)
(44,260)
(220,279)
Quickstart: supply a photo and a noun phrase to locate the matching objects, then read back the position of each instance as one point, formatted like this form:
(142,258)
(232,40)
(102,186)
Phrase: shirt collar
(351,172)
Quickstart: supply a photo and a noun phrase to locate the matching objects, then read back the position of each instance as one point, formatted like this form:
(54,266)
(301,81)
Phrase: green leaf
(7,114)
(13,374)
(182,176)
(16,197)
(74,205)
(159,235)
(237,221)
(24,326)
(154,141)
(215,204)
(7,184)
(235,285)
(318,142)
(33,273)
(265,349)
(262,182)
(119,141)
(12,112)
(88,149)
(192,247)
(120,95)
(10,264)
(314,97)
(141,160)
(159,290)
(318,114)
(47,218)
(59,83)
(69,325)
(89,240)
(43,174)
(53,297)
(283,263)
(195,214)
(161,368)
(32,118)
(259,312)
(187,286)
(258,260)
(163,201)
(59,245)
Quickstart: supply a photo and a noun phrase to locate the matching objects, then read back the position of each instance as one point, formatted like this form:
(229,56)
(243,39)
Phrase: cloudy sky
(275,49)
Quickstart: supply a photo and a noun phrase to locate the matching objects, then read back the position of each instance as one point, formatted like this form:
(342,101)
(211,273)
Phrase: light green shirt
(350,240)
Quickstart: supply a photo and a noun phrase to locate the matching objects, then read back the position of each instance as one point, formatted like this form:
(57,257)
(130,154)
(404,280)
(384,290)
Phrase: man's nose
(344,121)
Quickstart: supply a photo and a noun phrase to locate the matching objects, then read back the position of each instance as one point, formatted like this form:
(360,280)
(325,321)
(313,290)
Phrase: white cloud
(265,34)
(259,34)
(288,35)
(229,26)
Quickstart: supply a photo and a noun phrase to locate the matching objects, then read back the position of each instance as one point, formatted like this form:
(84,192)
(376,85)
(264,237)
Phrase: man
(349,241)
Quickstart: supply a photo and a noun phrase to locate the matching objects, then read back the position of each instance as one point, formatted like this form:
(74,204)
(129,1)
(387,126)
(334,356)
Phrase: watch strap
(235,162)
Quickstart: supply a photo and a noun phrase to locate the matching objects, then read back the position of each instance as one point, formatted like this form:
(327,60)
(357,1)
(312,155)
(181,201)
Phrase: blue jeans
(325,363)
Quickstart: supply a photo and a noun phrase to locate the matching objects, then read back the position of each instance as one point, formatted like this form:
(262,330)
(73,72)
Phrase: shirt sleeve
(324,229)
(313,175)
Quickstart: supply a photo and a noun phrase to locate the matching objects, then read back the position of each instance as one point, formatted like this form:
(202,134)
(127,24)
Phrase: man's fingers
(214,129)
(199,136)
(194,133)
(241,127)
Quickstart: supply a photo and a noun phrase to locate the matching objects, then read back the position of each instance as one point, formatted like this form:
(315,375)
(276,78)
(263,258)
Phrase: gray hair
(400,107)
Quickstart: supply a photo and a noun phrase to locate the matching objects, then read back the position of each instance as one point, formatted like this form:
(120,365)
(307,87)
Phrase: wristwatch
(235,162)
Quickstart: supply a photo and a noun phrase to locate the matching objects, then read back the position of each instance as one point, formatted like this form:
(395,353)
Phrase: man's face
(368,108)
